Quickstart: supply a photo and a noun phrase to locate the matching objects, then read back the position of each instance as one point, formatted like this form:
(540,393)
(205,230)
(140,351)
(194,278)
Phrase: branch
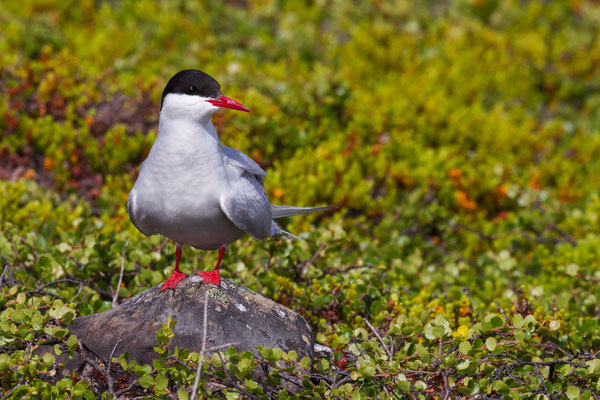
(105,373)
(230,382)
(520,362)
(447,390)
(201,359)
(6,265)
(65,280)
(116,296)
(110,382)
(301,268)
(387,350)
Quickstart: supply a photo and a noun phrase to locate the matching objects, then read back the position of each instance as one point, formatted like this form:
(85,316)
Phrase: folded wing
(246,203)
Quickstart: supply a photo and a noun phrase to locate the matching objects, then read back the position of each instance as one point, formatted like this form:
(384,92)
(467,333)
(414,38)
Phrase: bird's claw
(210,277)
(173,280)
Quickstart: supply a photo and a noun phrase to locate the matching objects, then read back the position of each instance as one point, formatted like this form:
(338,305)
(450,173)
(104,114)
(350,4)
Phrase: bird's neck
(188,131)
(182,140)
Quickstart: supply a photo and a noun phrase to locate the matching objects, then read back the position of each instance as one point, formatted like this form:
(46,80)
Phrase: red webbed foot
(173,280)
(210,277)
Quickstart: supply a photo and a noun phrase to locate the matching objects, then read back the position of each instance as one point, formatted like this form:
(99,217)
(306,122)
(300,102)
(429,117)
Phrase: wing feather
(245,202)
(237,158)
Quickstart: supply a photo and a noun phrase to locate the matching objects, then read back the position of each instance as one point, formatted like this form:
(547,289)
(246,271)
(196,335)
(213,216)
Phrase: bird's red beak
(228,103)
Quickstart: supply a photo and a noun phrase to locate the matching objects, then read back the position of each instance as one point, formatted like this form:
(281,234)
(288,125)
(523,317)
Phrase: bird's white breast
(177,193)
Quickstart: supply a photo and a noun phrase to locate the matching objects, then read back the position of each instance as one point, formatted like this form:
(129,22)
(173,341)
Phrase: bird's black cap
(194,83)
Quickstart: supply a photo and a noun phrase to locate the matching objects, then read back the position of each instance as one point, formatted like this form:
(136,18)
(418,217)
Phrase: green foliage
(461,140)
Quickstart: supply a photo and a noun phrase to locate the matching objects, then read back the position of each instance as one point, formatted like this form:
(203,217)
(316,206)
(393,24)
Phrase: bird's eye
(191,90)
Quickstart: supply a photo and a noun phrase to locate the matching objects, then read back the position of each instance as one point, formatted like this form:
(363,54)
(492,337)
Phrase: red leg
(176,276)
(213,276)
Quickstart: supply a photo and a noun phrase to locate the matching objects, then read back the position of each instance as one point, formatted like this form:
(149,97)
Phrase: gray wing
(245,202)
(237,158)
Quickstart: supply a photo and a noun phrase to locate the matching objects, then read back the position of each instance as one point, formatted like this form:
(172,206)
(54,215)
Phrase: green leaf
(230,352)
(305,363)
(593,365)
(404,386)
(160,382)
(245,365)
(367,371)
(572,269)
(63,247)
(251,385)
(232,396)
(60,333)
(439,331)
(4,361)
(48,359)
(491,343)
(518,321)
(322,365)
(520,335)
(464,347)
(572,392)
(429,334)
(216,360)
(182,394)
(68,317)
(501,387)
(21,298)
(277,353)
(529,320)
(146,381)
(20,391)
(463,365)
(496,322)
(554,325)
(450,361)
(71,342)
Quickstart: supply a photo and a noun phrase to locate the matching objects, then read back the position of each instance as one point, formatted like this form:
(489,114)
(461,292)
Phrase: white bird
(194,190)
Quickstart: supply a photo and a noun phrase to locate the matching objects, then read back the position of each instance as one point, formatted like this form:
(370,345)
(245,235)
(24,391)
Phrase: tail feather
(288,211)
(290,235)
(276,231)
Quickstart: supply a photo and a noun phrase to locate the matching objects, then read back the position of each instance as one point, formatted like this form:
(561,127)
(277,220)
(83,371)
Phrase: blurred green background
(460,138)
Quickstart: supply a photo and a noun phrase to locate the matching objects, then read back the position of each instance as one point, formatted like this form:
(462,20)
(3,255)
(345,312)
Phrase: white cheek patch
(177,105)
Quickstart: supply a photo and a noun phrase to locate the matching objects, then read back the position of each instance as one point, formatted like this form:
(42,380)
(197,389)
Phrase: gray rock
(237,317)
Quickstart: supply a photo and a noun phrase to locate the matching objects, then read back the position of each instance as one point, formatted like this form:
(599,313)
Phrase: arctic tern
(192,189)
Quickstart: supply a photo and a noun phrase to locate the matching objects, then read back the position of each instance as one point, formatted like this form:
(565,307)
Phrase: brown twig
(564,234)
(416,372)
(128,388)
(83,355)
(387,350)
(446,390)
(105,373)
(301,268)
(64,280)
(109,366)
(3,273)
(231,383)
(201,359)
(115,300)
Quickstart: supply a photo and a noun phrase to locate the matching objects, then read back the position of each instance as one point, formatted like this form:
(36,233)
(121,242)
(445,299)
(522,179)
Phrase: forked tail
(288,211)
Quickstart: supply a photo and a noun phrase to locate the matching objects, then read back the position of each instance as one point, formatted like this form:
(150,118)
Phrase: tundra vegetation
(461,140)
